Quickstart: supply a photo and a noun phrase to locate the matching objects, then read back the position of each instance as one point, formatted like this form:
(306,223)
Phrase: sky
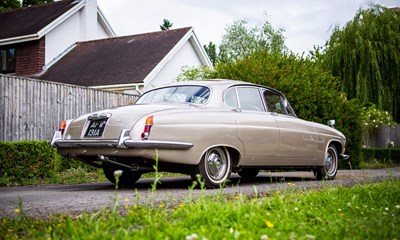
(305,22)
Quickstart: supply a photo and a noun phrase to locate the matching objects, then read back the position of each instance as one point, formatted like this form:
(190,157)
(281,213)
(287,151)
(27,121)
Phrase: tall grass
(370,211)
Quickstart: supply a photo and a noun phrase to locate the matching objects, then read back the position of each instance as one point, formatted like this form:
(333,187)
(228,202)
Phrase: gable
(30,20)
(120,60)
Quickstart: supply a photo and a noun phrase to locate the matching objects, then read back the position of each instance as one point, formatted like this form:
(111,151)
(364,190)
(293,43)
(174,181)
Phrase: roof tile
(30,20)
(119,60)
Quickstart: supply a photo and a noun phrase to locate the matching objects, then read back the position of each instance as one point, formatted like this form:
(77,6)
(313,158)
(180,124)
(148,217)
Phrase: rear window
(176,94)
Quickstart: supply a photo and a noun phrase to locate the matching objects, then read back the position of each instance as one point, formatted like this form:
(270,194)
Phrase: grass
(370,211)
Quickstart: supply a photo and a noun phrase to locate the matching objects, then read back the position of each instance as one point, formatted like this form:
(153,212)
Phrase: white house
(33,38)
(71,41)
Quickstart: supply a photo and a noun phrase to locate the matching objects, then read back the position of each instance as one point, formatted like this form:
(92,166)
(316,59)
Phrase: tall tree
(241,40)
(211,51)
(6,5)
(166,25)
(365,55)
(27,3)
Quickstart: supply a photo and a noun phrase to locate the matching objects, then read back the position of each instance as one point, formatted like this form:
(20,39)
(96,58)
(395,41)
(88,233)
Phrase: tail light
(147,128)
(62,127)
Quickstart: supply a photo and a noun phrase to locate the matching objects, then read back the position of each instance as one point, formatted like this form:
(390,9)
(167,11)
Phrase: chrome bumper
(344,157)
(124,141)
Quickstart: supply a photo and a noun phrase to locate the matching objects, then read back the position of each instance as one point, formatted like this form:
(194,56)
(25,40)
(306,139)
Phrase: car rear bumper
(124,141)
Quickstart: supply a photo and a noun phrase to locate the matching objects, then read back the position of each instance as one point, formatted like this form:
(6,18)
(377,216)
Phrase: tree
(27,3)
(6,5)
(365,56)
(211,51)
(166,25)
(241,40)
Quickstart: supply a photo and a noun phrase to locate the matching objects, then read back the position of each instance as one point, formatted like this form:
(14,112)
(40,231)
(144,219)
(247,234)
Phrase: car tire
(248,172)
(215,167)
(331,161)
(127,178)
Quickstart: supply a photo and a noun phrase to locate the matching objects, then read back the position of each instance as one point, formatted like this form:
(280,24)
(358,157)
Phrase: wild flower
(17,210)
(193,236)
(296,209)
(117,173)
(269,224)
(264,237)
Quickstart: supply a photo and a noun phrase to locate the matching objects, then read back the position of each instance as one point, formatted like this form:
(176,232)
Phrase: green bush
(381,154)
(27,160)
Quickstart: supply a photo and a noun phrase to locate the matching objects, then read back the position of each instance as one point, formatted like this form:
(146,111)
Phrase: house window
(7,60)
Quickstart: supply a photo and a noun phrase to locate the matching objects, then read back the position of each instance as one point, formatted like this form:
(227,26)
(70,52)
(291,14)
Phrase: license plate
(96,128)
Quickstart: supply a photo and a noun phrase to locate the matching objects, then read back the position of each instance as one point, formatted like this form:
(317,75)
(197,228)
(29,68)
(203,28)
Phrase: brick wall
(30,57)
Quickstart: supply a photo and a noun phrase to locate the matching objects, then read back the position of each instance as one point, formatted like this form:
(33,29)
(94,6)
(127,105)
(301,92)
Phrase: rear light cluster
(147,128)
(62,127)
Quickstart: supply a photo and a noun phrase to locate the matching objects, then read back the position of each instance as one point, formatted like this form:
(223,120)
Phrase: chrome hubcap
(216,164)
(330,162)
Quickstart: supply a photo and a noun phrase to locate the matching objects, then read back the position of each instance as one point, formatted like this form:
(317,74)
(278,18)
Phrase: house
(33,37)
(71,41)
(129,64)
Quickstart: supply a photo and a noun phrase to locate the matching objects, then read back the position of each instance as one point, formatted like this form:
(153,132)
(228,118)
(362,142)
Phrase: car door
(257,130)
(298,138)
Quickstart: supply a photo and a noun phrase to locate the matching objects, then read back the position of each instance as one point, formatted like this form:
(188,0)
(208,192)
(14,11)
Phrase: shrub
(381,154)
(27,160)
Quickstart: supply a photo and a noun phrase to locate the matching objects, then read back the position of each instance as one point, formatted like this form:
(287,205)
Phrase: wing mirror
(332,123)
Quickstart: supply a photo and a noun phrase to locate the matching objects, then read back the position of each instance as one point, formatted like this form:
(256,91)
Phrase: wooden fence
(31,109)
(384,137)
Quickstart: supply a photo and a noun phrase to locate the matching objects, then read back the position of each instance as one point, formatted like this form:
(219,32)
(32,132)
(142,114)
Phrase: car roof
(225,83)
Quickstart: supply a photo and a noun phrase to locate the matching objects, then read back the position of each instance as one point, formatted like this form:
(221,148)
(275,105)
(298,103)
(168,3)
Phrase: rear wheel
(127,177)
(248,172)
(215,167)
(329,170)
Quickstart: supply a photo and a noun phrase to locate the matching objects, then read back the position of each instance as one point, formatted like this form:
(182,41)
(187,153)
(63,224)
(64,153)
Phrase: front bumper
(124,141)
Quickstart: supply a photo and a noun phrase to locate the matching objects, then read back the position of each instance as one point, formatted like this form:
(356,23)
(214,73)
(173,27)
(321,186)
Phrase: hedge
(381,154)
(28,160)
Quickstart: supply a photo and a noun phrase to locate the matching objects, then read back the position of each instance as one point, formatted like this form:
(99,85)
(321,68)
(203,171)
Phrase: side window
(274,102)
(231,98)
(250,99)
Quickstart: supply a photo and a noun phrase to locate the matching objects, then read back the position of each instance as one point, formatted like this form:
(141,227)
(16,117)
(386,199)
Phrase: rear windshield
(176,94)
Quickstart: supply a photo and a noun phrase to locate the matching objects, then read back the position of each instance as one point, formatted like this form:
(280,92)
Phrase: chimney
(89,20)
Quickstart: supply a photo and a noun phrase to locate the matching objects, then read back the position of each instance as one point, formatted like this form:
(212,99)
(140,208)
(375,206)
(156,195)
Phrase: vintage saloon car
(202,128)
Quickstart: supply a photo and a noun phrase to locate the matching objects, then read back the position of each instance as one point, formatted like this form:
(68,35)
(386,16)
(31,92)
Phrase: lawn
(369,211)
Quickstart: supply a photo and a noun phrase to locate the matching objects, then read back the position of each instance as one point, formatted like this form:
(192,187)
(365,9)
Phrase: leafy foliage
(27,3)
(27,159)
(241,40)
(365,55)
(211,51)
(166,25)
(6,5)
(373,118)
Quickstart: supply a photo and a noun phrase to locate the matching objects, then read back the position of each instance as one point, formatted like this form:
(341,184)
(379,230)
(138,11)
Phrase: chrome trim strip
(157,144)
(124,141)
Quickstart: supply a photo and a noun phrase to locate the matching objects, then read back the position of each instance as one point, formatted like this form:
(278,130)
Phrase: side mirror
(332,123)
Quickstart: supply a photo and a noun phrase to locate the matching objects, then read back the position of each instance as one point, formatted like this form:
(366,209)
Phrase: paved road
(43,200)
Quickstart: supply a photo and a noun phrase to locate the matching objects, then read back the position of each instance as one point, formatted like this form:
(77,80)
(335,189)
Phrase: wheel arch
(337,145)
(234,153)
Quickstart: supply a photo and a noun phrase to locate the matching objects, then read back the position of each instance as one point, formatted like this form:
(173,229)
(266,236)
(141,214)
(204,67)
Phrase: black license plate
(96,128)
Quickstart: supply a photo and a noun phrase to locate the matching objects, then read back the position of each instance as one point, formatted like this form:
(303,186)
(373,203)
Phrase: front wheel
(329,170)
(215,167)
(127,177)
